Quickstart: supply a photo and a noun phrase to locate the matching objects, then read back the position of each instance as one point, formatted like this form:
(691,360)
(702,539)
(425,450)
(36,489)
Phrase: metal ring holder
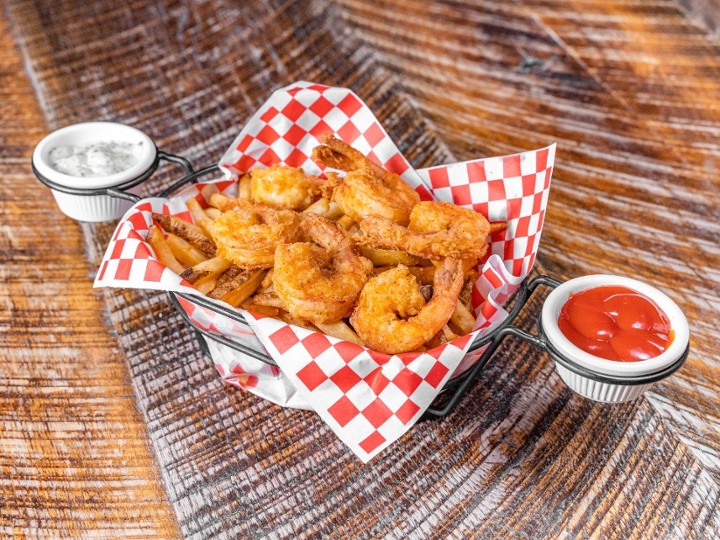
(454,389)
(119,191)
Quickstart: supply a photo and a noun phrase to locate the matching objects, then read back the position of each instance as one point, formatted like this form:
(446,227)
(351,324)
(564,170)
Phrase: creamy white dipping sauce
(95,160)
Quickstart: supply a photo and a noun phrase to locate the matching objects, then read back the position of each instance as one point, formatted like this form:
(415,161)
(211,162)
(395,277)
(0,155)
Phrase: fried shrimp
(436,230)
(391,314)
(320,281)
(281,186)
(247,234)
(367,189)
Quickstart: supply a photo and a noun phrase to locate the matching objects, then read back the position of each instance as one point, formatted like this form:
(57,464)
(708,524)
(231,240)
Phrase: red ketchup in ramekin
(615,323)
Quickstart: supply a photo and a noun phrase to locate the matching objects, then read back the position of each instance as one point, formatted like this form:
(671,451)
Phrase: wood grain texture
(629,91)
(74,456)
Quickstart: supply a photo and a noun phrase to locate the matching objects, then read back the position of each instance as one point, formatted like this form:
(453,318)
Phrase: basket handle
(119,192)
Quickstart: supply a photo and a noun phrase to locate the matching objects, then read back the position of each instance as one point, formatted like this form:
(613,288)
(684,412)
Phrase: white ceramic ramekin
(607,380)
(82,198)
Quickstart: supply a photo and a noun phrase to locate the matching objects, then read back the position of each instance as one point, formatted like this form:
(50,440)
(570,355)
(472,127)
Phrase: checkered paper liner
(369,399)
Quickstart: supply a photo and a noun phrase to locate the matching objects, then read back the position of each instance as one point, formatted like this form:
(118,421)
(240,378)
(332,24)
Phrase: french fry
(206,284)
(244,183)
(302,323)
(326,208)
(268,311)
(319,207)
(213,213)
(448,334)
(267,282)
(188,231)
(238,295)
(340,330)
(162,250)
(228,280)
(345,222)
(269,299)
(466,292)
(210,267)
(184,252)
(390,257)
(462,318)
(199,216)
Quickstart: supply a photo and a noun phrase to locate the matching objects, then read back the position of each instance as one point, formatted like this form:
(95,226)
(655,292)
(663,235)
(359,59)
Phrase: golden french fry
(302,323)
(448,334)
(187,231)
(199,216)
(319,207)
(325,208)
(462,318)
(238,295)
(345,222)
(185,252)
(466,292)
(212,213)
(162,250)
(340,330)
(389,257)
(269,299)
(334,211)
(260,309)
(267,282)
(244,186)
(206,284)
(497,226)
(228,280)
(211,267)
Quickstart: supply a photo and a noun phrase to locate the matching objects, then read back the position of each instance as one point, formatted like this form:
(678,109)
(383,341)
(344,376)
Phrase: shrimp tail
(449,277)
(338,154)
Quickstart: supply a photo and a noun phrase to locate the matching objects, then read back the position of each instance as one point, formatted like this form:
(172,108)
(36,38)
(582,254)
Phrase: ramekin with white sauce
(91,167)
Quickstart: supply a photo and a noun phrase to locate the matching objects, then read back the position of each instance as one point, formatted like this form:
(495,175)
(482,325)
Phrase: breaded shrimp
(320,281)
(247,234)
(367,189)
(286,187)
(391,314)
(437,230)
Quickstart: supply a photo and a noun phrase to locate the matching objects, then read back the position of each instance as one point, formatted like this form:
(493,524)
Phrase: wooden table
(629,90)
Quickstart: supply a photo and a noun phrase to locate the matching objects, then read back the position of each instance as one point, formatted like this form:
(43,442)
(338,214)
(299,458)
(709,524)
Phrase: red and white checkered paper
(369,399)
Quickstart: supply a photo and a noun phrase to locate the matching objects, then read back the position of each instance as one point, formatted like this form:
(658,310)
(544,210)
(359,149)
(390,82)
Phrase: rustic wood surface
(630,91)
(74,453)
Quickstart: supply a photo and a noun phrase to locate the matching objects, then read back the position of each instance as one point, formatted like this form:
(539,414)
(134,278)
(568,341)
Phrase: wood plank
(74,456)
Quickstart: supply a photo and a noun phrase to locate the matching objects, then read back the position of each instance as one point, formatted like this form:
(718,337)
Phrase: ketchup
(616,323)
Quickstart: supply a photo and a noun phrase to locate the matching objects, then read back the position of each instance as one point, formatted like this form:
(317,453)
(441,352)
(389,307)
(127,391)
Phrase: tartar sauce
(94,160)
